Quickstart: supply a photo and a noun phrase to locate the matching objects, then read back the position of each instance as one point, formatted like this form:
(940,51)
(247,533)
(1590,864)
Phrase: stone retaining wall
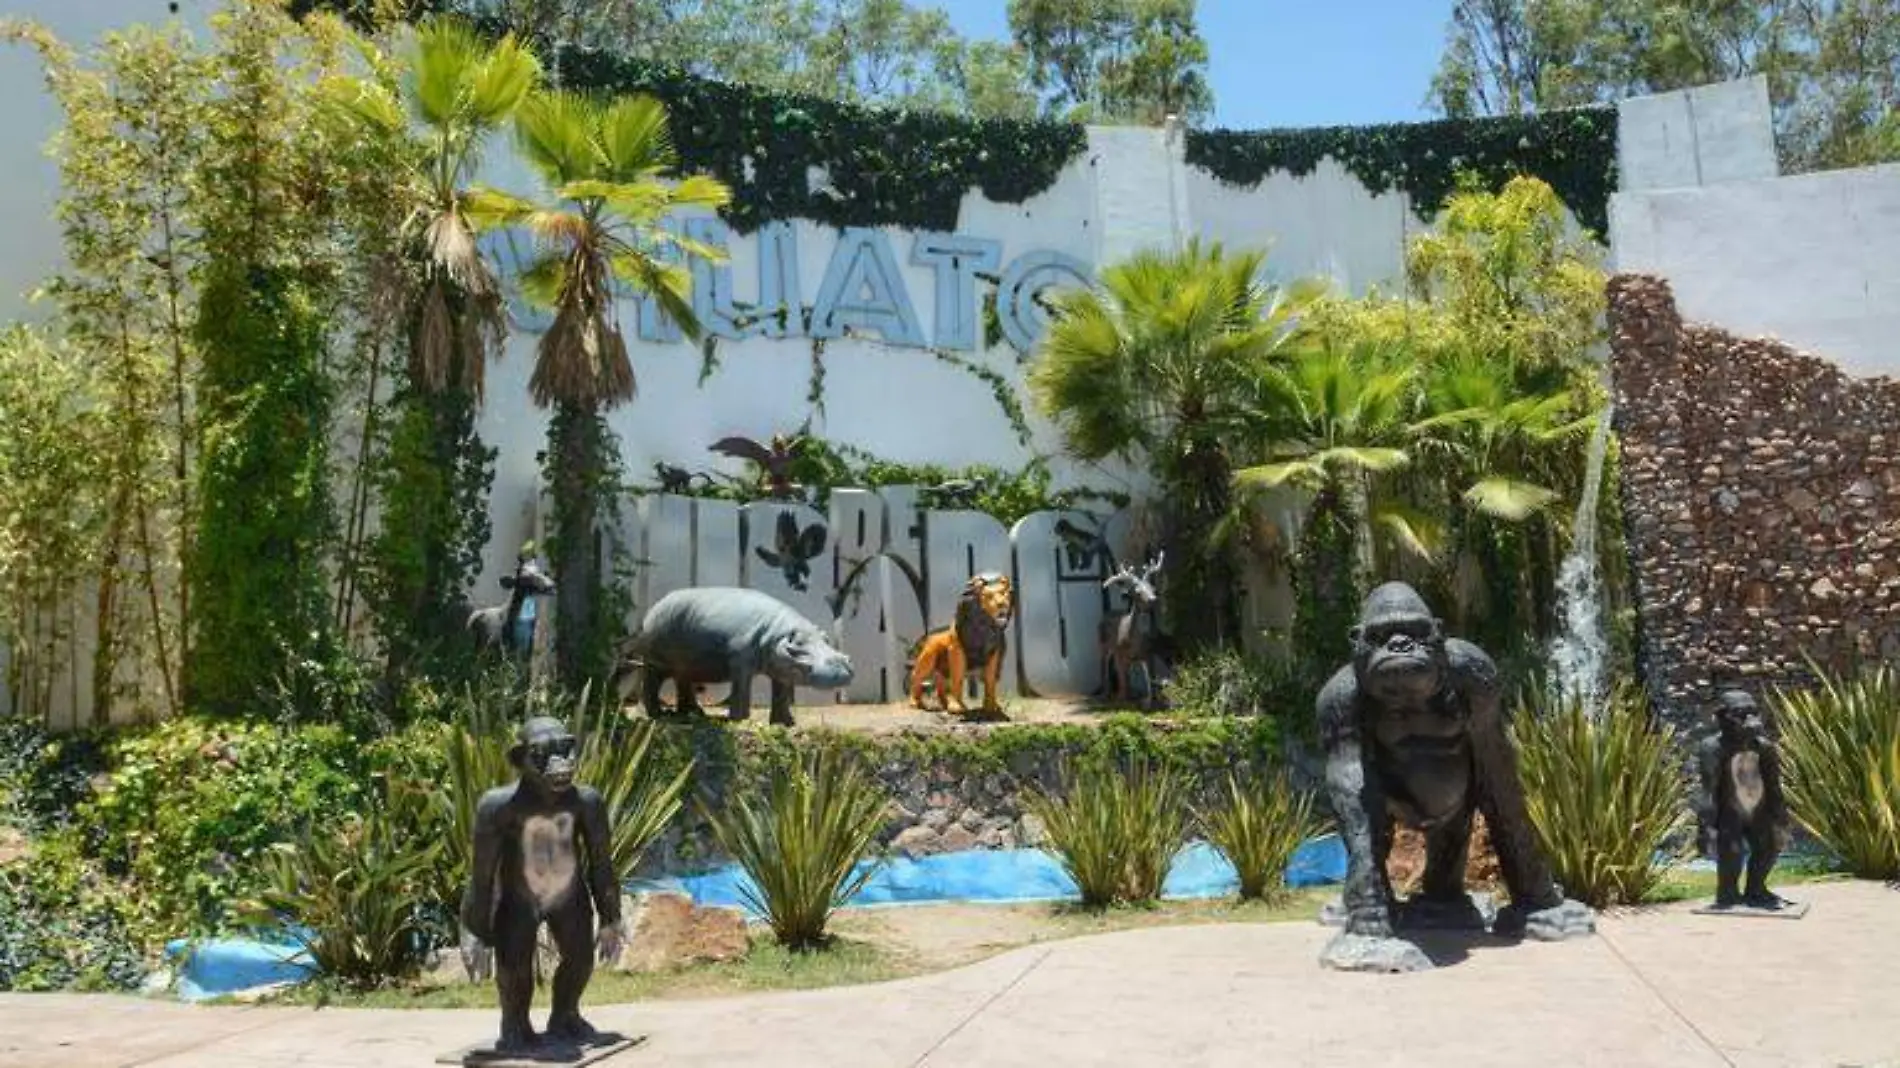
(965,787)
(1763,502)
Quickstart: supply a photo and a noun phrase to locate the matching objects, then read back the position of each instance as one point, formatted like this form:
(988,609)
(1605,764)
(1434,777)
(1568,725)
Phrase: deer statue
(1131,635)
(510,627)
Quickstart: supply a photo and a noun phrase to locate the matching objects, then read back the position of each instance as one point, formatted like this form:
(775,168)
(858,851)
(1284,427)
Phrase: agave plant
(1604,792)
(1116,829)
(1257,828)
(1840,748)
(801,843)
(358,894)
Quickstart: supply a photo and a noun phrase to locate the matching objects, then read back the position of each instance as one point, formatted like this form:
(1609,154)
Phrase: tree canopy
(1833,66)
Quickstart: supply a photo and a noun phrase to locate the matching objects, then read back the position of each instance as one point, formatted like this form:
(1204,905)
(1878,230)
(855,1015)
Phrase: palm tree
(1330,418)
(1160,363)
(457,88)
(605,163)
(1511,438)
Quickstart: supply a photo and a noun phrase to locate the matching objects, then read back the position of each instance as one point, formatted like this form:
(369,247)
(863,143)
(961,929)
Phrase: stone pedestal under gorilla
(542,855)
(1414,730)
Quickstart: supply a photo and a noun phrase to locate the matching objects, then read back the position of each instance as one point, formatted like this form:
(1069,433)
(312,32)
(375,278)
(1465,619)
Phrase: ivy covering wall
(881,167)
(1574,151)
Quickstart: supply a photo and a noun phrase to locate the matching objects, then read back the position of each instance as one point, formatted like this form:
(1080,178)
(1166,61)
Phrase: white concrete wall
(1703,136)
(1812,259)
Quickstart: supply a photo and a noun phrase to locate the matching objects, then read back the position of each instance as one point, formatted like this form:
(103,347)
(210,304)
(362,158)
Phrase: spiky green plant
(1257,827)
(1840,748)
(801,842)
(361,891)
(1604,790)
(1116,828)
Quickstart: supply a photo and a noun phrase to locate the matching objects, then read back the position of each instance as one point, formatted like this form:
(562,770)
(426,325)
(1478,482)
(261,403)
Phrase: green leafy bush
(191,804)
(63,924)
(1604,792)
(358,892)
(1228,682)
(801,842)
(1840,746)
(1257,828)
(1116,828)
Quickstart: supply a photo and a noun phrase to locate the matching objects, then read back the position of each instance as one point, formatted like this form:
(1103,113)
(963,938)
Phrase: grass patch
(848,961)
(1077,921)
(1678,885)
(766,966)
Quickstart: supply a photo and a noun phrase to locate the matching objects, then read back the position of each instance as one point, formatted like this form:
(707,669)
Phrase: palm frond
(1508,499)
(634,141)
(556,130)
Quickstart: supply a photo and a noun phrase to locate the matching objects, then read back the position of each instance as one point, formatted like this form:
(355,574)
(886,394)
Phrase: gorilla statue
(1414,729)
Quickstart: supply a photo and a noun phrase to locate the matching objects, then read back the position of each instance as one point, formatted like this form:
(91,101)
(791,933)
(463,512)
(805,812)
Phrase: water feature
(1580,652)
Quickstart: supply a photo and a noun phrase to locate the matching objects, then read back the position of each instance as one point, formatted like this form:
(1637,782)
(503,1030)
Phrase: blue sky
(1297,62)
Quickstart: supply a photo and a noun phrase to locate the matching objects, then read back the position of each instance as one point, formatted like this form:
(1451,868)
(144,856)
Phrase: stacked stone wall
(1763,503)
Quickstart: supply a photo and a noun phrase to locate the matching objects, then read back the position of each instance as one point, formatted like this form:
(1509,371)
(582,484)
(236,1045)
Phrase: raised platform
(894,717)
(552,1056)
(1790,910)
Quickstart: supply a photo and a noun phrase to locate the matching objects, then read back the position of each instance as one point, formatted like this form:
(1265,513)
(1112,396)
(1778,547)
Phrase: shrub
(1257,828)
(1841,753)
(802,841)
(1604,793)
(1221,682)
(63,924)
(191,804)
(1116,828)
(356,895)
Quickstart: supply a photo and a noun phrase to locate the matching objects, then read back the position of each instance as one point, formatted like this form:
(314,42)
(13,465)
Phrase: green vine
(1000,389)
(815,388)
(1574,151)
(908,169)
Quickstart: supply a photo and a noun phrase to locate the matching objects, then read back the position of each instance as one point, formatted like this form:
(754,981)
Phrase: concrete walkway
(1662,988)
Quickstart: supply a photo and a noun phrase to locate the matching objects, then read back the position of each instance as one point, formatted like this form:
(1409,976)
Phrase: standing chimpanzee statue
(1741,803)
(1414,728)
(542,855)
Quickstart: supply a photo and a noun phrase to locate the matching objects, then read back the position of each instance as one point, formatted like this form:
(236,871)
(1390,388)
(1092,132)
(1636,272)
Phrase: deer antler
(1153,565)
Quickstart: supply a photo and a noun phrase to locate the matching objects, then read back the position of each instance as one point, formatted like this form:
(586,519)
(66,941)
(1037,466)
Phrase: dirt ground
(928,938)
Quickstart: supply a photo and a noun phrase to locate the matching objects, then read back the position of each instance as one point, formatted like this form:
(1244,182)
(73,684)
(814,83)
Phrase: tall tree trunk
(1202,607)
(575,457)
(1327,583)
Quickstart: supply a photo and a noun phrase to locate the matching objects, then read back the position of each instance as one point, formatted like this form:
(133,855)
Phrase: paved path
(1662,988)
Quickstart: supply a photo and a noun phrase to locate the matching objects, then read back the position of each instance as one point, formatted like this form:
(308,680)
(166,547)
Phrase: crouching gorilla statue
(1414,729)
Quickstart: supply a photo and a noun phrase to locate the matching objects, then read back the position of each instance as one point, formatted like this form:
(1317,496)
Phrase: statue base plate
(1790,910)
(553,1055)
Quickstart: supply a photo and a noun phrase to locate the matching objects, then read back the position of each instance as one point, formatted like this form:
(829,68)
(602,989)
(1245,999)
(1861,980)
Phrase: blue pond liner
(1013,875)
(214,967)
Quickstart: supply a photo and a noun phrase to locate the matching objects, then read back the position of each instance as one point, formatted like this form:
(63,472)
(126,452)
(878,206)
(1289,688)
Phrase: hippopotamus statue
(725,634)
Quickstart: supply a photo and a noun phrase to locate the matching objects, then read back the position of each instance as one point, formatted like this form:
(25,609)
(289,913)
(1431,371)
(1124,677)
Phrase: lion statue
(979,634)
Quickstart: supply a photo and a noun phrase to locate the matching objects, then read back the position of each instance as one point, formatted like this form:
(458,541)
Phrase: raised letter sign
(1029,274)
(781,297)
(712,283)
(957,259)
(863,290)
